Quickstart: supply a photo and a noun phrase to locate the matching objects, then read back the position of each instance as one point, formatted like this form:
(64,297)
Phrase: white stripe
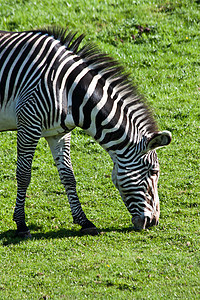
(71,68)
(62,65)
(113,111)
(58,96)
(88,94)
(76,81)
(93,129)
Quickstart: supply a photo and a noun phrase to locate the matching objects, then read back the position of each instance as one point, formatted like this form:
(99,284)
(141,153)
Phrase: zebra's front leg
(60,148)
(26,144)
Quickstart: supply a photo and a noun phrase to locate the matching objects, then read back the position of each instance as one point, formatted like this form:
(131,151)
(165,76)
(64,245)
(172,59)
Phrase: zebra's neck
(103,113)
(102,101)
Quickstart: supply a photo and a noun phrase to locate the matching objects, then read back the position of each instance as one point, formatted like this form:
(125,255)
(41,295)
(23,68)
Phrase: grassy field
(158,43)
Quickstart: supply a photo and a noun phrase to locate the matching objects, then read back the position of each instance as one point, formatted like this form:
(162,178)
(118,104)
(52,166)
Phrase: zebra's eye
(154,172)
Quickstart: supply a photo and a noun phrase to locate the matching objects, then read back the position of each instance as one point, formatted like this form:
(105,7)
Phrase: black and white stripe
(48,87)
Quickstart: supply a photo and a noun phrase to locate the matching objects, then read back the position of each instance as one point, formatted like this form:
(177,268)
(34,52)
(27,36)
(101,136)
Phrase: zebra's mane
(109,67)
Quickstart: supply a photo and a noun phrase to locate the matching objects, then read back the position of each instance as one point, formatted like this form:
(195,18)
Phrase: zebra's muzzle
(141,222)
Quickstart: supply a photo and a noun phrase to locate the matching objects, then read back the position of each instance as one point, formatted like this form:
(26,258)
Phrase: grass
(161,263)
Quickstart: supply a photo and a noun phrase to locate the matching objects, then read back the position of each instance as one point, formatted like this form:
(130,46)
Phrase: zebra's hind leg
(27,139)
(60,148)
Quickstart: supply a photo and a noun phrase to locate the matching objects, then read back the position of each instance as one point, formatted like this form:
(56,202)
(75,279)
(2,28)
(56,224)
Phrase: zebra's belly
(56,128)
(8,118)
(52,131)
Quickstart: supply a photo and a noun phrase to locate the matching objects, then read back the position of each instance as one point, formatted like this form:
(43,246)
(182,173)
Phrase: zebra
(50,84)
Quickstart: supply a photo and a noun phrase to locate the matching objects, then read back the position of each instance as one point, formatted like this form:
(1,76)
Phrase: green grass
(161,263)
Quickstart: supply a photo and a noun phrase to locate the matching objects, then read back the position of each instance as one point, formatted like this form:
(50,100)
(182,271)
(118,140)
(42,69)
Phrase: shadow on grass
(9,237)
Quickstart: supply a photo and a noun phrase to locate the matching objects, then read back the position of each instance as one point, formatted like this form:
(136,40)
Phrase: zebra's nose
(141,222)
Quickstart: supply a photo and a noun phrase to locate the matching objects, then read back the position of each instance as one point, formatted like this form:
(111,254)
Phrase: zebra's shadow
(9,237)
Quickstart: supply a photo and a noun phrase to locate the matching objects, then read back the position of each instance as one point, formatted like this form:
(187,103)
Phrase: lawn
(158,43)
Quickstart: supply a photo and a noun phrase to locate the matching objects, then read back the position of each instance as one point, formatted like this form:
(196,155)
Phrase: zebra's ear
(159,139)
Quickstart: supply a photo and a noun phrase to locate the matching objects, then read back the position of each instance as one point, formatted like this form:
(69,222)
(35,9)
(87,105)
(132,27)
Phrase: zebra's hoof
(89,231)
(89,228)
(24,234)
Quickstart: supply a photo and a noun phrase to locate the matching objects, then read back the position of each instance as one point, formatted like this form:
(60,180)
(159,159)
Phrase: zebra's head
(136,176)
